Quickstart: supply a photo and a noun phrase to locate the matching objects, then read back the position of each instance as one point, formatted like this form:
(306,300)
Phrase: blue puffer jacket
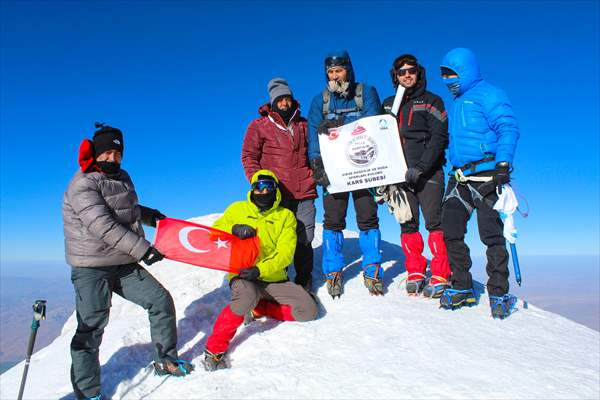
(483,123)
(371,106)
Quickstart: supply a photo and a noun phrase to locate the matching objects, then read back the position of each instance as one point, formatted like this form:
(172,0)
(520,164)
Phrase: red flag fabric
(204,246)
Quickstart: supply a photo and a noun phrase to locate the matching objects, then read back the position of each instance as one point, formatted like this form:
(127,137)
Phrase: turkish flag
(204,246)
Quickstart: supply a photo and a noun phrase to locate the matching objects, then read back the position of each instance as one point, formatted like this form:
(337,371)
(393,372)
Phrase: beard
(340,88)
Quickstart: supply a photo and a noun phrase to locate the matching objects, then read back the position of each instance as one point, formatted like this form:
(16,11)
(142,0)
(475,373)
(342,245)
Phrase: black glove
(501,175)
(243,231)
(319,174)
(250,274)
(152,256)
(412,175)
(327,124)
(151,215)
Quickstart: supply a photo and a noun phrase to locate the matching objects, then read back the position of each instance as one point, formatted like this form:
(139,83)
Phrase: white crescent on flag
(185,242)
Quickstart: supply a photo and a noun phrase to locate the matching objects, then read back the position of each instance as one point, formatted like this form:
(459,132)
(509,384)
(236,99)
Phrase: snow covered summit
(361,346)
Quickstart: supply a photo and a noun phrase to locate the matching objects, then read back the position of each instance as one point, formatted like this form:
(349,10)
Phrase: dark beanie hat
(107,138)
(278,87)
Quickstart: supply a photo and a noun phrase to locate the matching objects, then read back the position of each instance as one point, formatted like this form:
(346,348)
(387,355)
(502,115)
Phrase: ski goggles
(445,71)
(402,72)
(265,184)
(334,61)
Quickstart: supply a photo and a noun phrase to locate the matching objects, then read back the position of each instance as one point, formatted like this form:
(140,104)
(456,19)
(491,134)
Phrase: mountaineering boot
(175,368)
(334,284)
(435,287)
(452,299)
(413,245)
(373,276)
(333,261)
(213,362)
(440,266)
(415,283)
(503,306)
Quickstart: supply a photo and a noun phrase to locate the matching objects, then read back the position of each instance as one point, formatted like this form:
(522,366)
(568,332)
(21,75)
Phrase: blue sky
(184,79)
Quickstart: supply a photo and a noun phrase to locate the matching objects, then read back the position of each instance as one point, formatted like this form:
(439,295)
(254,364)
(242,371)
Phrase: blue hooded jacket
(483,123)
(371,106)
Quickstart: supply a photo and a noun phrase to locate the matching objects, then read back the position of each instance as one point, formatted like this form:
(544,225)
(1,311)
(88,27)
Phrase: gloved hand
(501,175)
(381,194)
(243,231)
(250,274)
(156,215)
(319,174)
(412,175)
(327,124)
(151,215)
(152,256)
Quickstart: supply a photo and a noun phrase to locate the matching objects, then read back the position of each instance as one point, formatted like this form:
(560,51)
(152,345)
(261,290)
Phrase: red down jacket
(269,144)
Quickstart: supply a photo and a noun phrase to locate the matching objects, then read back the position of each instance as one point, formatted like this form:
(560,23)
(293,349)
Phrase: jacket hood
(349,68)
(277,193)
(464,63)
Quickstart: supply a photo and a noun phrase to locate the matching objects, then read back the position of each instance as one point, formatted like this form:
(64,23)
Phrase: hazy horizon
(547,284)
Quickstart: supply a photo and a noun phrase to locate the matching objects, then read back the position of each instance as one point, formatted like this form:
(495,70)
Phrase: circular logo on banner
(361,151)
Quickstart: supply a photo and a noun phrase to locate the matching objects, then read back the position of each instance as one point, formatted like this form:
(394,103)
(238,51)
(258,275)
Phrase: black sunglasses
(402,72)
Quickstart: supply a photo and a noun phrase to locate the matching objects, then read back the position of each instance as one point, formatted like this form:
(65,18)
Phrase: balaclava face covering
(109,168)
(264,201)
(287,114)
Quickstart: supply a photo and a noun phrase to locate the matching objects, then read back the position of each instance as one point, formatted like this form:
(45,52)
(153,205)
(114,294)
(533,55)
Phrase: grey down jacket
(102,221)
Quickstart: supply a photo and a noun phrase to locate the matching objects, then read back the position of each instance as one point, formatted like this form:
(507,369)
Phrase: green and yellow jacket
(276,230)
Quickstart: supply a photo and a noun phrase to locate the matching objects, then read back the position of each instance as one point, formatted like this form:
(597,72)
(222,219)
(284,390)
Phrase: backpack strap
(358,97)
(326,100)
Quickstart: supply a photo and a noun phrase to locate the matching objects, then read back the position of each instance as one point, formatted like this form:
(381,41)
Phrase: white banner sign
(363,154)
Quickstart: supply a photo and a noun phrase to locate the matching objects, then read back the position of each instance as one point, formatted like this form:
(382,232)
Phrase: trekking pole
(515,260)
(39,313)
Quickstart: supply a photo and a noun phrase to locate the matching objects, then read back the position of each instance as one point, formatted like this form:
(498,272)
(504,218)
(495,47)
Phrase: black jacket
(423,126)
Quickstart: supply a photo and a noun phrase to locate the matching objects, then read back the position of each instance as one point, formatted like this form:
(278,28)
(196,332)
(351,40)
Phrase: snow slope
(360,347)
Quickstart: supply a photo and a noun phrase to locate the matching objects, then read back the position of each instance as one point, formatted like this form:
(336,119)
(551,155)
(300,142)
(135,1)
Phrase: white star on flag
(221,243)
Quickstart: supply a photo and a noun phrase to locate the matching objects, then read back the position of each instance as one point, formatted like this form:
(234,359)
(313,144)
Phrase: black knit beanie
(107,138)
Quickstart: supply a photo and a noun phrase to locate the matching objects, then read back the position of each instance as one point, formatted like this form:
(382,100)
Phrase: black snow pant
(305,212)
(459,202)
(336,205)
(93,291)
(428,195)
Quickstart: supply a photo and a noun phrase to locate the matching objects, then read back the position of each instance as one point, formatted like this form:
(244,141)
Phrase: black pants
(93,292)
(336,206)
(456,212)
(305,213)
(428,195)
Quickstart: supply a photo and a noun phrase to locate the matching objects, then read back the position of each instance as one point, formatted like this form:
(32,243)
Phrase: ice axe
(515,260)
(39,313)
